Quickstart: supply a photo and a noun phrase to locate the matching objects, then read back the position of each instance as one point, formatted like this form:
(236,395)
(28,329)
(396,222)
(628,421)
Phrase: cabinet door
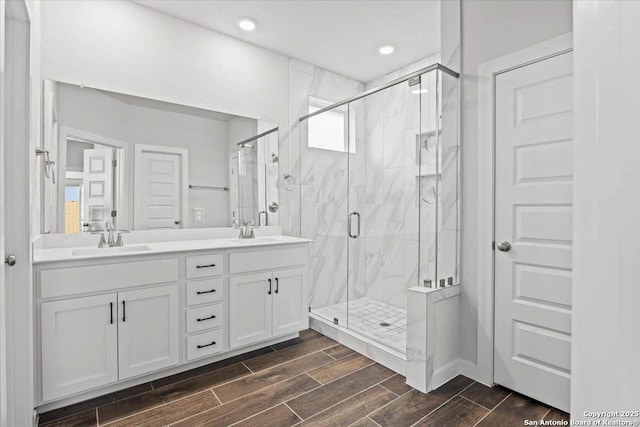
(249,309)
(290,305)
(79,344)
(148,330)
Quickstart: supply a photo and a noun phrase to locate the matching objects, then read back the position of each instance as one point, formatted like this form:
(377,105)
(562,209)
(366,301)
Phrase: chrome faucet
(111,240)
(247,231)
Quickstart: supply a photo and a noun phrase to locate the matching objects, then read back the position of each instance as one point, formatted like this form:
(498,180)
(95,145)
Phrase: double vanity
(113,317)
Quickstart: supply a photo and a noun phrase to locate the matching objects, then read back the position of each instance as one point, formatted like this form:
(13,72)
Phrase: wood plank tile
(513,411)
(79,419)
(352,409)
(267,377)
(397,384)
(251,404)
(306,335)
(142,402)
(131,391)
(365,422)
(457,412)
(171,412)
(280,416)
(340,368)
(555,415)
(339,351)
(414,405)
(281,356)
(75,408)
(489,397)
(322,398)
(211,367)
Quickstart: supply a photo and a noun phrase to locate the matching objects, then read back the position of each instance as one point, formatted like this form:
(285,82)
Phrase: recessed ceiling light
(419,91)
(387,49)
(247,24)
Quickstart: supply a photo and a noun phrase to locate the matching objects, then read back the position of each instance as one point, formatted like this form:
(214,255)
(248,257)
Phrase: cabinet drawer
(104,277)
(242,262)
(204,291)
(203,345)
(201,318)
(204,265)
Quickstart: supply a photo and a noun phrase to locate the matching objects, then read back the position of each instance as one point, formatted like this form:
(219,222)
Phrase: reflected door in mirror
(97,180)
(160,191)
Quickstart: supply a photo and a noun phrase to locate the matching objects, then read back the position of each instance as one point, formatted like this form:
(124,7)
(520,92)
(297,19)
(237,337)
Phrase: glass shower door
(383,212)
(324,210)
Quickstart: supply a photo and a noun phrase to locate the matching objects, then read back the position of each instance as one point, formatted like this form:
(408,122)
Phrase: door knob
(504,246)
(10,260)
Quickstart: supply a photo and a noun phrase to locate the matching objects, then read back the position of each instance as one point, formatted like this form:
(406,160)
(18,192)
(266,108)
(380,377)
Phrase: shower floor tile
(381,322)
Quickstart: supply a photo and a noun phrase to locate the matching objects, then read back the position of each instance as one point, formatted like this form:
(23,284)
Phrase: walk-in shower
(380,199)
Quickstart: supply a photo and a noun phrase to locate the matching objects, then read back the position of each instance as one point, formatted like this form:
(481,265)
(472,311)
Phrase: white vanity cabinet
(267,304)
(148,330)
(79,344)
(97,340)
(105,321)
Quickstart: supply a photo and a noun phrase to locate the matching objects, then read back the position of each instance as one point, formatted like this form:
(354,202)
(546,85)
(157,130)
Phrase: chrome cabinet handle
(353,236)
(202,319)
(504,246)
(207,345)
(205,266)
(205,292)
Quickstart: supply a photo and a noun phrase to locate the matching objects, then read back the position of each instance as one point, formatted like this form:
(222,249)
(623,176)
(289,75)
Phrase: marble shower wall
(396,231)
(322,184)
(381,180)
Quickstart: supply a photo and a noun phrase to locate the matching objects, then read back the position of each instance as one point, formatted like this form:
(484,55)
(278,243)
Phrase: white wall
(204,137)
(490,29)
(605,351)
(124,47)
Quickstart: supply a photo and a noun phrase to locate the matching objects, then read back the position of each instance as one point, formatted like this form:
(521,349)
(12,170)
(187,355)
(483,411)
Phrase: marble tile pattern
(379,179)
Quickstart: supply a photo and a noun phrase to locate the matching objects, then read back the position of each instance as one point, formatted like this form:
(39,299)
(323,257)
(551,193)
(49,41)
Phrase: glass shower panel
(448,257)
(324,210)
(383,207)
(428,178)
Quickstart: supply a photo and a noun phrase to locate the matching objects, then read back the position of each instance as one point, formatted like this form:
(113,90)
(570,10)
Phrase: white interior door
(97,182)
(160,191)
(534,171)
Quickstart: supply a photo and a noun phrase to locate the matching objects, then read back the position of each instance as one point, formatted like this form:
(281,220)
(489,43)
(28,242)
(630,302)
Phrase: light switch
(198,215)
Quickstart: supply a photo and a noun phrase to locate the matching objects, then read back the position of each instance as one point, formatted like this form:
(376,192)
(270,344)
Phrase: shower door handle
(354,236)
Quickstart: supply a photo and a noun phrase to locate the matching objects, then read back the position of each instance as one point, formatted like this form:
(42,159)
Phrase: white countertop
(57,254)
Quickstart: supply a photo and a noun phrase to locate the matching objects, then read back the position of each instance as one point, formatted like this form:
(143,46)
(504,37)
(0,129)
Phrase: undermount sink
(254,240)
(111,251)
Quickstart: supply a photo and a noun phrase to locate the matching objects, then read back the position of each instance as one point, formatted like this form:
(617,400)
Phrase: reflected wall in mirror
(144,164)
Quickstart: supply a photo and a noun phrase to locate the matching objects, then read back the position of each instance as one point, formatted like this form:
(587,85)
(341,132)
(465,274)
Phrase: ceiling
(341,35)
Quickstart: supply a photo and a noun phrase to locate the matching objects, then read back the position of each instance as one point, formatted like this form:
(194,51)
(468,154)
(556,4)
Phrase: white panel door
(148,330)
(97,183)
(290,307)
(534,171)
(250,300)
(159,190)
(79,344)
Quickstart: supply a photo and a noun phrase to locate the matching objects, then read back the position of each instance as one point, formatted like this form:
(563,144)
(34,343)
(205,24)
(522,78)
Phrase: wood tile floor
(309,381)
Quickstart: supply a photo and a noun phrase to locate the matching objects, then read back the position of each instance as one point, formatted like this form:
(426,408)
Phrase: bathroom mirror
(143,164)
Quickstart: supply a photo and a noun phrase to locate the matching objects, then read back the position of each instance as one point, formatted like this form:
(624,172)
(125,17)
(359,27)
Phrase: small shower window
(330,130)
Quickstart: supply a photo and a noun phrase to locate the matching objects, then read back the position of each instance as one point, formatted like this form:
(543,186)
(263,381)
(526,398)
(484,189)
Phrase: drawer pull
(205,292)
(207,345)
(205,266)
(201,319)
